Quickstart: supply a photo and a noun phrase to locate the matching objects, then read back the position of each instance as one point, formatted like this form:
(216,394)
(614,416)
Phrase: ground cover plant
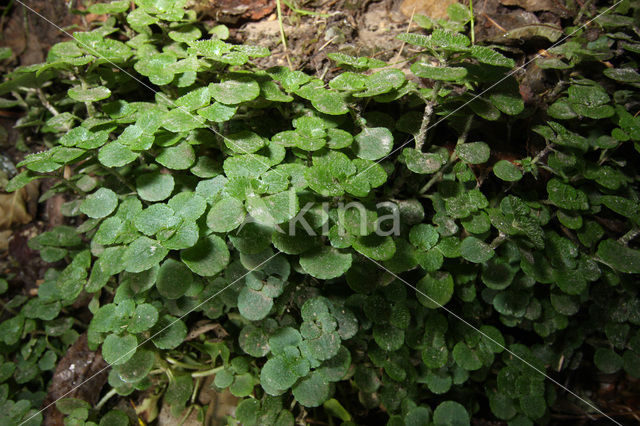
(379,247)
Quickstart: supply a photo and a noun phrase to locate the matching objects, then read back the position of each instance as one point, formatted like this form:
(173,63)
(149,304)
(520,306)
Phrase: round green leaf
(424,236)
(376,247)
(117,350)
(278,373)
(438,73)
(137,367)
(325,263)
(244,142)
(142,254)
(329,102)
(435,289)
(235,91)
(99,204)
(208,257)
(465,357)
(178,157)
(254,341)
(169,332)
(450,413)
(507,171)
(388,337)
(155,218)
(619,257)
(312,391)
(607,360)
(254,305)
(373,143)
(154,186)
(475,250)
(474,152)
(144,317)
(92,94)
(174,279)
(114,154)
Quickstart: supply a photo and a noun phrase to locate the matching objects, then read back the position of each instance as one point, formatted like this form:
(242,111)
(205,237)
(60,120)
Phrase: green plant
(202,187)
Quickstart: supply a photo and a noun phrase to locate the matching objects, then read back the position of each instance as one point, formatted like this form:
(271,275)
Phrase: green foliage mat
(199,186)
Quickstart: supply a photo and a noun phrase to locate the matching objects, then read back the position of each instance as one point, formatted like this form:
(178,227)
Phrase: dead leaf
(78,365)
(532,5)
(14,206)
(4,239)
(435,9)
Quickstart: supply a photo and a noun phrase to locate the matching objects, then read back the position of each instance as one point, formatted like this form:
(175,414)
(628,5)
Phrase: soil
(355,27)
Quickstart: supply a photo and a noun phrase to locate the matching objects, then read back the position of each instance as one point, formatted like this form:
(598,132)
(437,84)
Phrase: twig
(407,32)
(45,102)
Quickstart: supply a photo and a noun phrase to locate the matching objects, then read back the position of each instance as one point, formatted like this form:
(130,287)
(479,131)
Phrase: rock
(436,9)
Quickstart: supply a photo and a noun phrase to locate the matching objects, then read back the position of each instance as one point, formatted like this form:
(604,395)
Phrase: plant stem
(283,37)
(181,364)
(206,373)
(452,158)
(626,238)
(473,32)
(105,398)
(305,12)
(45,102)
(426,118)
(542,153)
(498,240)
(121,178)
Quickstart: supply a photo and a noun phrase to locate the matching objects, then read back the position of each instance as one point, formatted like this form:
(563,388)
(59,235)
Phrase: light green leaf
(89,94)
(273,209)
(114,154)
(376,247)
(218,112)
(235,91)
(117,350)
(178,157)
(325,263)
(438,73)
(99,204)
(154,186)
(142,254)
(373,143)
(422,162)
(244,142)
(226,215)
